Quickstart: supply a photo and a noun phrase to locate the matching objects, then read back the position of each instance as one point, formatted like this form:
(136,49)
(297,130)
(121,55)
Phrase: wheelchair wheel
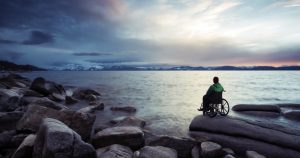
(223,108)
(212,112)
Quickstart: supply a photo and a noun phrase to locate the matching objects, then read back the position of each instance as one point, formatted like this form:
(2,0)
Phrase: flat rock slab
(211,150)
(235,127)
(114,151)
(132,137)
(156,152)
(257,107)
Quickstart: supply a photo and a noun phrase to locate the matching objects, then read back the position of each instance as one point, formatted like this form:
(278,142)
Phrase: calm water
(167,100)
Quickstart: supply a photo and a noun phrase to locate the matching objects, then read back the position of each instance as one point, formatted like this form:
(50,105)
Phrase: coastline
(24,100)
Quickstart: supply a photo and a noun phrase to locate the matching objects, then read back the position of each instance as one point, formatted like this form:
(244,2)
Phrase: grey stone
(257,107)
(56,140)
(46,87)
(292,114)
(128,109)
(131,121)
(9,100)
(26,147)
(85,93)
(211,150)
(254,154)
(228,151)
(157,152)
(132,137)
(114,151)
(183,146)
(195,152)
(8,120)
(91,109)
(228,156)
(82,123)
(70,100)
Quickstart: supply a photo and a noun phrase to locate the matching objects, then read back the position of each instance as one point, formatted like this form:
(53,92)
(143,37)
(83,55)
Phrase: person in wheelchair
(213,94)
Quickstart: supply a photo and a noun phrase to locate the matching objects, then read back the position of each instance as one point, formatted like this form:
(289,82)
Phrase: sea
(168,100)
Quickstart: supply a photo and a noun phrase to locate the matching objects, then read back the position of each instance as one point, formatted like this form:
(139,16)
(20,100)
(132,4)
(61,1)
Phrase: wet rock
(253,154)
(14,80)
(228,156)
(211,150)
(242,144)
(157,152)
(183,146)
(8,120)
(228,151)
(234,127)
(117,119)
(55,140)
(195,152)
(9,100)
(57,97)
(257,107)
(132,137)
(17,140)
(5,138)
(84,93)
(70,100)
(128,109)
(26,147)
(293,115)
(26,92)
(131,121)
(48,103)
(114,151)
(46,87)
(91,109)
(80,122)
(100,127)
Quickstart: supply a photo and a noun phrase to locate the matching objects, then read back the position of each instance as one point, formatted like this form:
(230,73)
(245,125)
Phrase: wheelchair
(217,105)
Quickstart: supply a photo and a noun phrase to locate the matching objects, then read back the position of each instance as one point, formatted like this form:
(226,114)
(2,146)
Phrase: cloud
(10,55)
(91,54)
(39,37)
(5,41)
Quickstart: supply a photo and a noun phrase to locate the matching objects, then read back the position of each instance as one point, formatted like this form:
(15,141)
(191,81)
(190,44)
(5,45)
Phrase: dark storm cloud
(39,37)
(91,54)
(5,41)
(10,55)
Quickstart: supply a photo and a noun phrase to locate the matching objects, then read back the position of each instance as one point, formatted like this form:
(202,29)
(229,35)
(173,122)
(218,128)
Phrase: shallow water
(168,100)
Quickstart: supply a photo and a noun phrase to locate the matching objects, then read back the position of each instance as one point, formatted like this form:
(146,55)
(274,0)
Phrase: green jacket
(217,87)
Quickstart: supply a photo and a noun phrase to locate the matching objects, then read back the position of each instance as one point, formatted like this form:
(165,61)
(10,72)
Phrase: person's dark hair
(216,80)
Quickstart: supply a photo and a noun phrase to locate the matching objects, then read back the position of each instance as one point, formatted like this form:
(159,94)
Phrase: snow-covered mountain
(77,67)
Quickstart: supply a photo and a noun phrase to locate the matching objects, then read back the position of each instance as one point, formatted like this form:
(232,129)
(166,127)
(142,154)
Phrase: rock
(57,97)
(26,147)
(228,151)
(261,113)
(6,137)
(56,140)
(46,87)
(91,97)
(26,92)
(292,114)
(256,107)
(117,119)
(9,100)
(132,137)
(98,128)
(241,128)
(114,151)
(91,109)
(195,152)
(70,100)
(157,152)
(183,146)
(84,93)
(14,80)
(242,144)
(48,103)
(253,154)
(131,121)
(82,123)
(17,140)
(129,109)
(8,120)
(228,156)
(211,150)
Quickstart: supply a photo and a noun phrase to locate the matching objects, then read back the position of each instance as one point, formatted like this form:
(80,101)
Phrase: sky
(150,32)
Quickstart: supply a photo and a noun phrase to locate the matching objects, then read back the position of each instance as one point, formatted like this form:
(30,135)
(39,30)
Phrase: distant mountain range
(9,66)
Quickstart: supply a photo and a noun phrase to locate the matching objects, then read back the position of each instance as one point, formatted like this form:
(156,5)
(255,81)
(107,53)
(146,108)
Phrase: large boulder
(235,127)
(156,151)
(257,107)
(254,154)
(9,100)
(46,87)
(130,121)
(86,94)
(8,120)
(56,140)
(6,137)
(14,80)
(292,114)
(211,150)
(183,146)
(132,137)
(82,123)
(114,151)
(26,147)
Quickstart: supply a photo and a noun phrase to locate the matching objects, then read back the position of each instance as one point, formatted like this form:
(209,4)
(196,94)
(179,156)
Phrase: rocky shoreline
(36,121)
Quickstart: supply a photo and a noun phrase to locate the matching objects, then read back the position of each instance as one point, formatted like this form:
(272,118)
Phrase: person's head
(216,80)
